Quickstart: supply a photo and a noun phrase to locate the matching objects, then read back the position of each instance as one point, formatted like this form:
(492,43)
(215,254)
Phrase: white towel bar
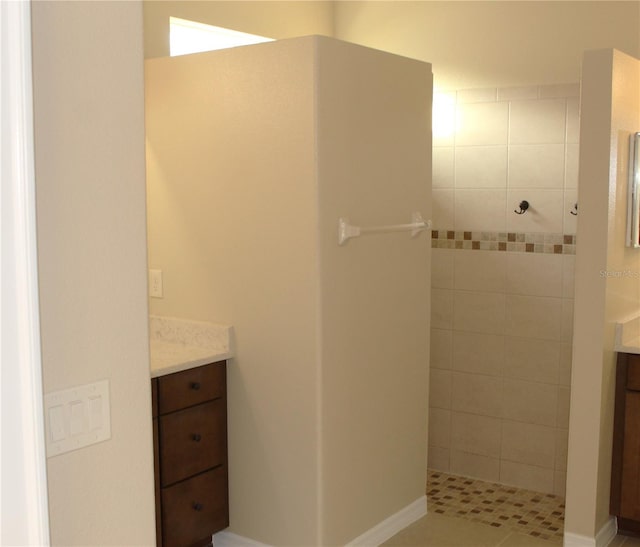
(346,231)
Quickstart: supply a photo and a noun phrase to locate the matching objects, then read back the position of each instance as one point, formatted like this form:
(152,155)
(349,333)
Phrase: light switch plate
(77,417)
(155,283)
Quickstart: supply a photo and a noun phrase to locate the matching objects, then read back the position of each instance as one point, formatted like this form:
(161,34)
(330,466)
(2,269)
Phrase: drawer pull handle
(196,437)
(198,506)
(195,386)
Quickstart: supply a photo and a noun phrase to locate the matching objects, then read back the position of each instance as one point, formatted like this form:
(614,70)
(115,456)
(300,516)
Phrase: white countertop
(628,335)
(180,344)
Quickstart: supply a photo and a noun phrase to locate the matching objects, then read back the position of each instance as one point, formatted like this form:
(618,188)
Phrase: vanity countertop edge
(627,335)
(177,344)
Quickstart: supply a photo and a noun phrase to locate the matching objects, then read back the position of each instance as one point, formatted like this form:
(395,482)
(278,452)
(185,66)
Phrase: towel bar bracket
(347,231)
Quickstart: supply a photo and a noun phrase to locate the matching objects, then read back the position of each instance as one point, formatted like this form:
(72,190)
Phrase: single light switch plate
(77,417)
(155,283)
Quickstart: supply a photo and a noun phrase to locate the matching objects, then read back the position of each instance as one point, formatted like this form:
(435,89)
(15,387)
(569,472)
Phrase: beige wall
(253,155)
(610,112)
(90,183)
(231,188)
(374,165)
(488,44)
(273,19)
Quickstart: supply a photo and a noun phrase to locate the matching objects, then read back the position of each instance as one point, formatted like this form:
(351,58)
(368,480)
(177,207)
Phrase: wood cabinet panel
(154,397)
(630,487)
(192,440)
(156,481)
(625,462)
(191,387)
(192,509)
(190,455)
(633,372)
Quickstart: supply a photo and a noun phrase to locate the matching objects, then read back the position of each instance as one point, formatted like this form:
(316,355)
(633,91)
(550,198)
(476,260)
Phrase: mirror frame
(633,201)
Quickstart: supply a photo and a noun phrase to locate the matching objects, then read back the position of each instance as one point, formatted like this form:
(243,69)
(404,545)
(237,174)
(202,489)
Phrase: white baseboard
(229,539)
(604,536)
(391,526)
(371,538)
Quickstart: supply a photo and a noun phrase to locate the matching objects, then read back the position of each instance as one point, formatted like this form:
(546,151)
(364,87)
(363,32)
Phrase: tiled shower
(502,283)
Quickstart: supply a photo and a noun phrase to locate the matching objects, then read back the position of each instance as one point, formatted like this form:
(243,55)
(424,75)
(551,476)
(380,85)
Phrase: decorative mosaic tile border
(530,242)
(531,513)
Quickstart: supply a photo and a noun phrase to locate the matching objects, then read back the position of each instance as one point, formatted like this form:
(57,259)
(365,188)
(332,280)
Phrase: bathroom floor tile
(523,512)
(435,530)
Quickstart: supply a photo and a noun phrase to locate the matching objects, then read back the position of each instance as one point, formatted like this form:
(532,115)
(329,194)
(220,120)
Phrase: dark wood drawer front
(194,509)
(633,372)
(192,441)
(190,387)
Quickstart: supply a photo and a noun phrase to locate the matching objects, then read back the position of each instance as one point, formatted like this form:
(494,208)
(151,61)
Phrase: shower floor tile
(528,513)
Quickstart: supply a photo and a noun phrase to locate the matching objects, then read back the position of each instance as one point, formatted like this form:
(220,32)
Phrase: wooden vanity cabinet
(190,453)
(625,469)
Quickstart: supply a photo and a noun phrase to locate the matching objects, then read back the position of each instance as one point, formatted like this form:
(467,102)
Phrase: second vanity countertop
(180,344)
(628,335)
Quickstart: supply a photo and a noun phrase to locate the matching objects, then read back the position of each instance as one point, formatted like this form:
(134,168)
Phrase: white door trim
(23,478)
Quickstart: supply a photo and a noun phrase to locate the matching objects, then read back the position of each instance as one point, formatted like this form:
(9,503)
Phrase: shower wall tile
(480,210)
(571,166)
(567,320)
(534,275)
(559,483)
(438,458)
(475,465)
(545,213)
(564,371)
(528,443)
(559,90)
(444,118)
(475,311)
(532,360)
(562,443)
(570,221)
(442,208)
(537,122)
(477,394)
(573,120)
(534,317)
(480,271)
(443,163)
(441,349)
(530,402)
(440,389)
(536,166)
(481,167)
(440,428)
(478,353)
(441,308)
(517,93)
(503,284)
(477,95)
(564,399)
(482,124)
(531,477)
(476,434)
(442,268)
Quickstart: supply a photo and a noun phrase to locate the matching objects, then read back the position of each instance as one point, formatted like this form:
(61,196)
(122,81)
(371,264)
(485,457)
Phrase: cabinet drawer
(195,509)
(633,372)
(192,441)
(190,387)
